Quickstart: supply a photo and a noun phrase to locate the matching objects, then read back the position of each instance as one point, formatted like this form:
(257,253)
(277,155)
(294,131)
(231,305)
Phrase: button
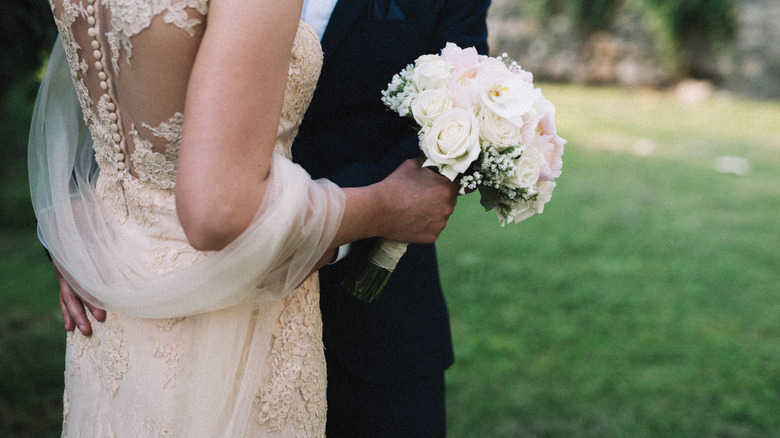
(117,138)
(97,54)
(92,32)
(91,20)
(112,117)
(95,44)
(104,85)
(111,106)
(103,76)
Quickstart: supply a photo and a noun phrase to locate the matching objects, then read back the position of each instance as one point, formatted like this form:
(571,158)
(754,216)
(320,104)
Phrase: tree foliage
(712,22)
(678,22)
(588,15)
(27,33)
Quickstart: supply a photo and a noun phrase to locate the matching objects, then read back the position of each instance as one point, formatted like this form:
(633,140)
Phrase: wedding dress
(244,361)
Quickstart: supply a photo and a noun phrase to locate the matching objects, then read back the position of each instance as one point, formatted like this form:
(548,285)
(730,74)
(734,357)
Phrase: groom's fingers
(73,313)
(70,325)
(99,314)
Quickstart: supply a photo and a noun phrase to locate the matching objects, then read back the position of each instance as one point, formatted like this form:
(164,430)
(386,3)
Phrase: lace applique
(113,44)
(157,431)
(115,357)
(139,206)
(305,65)
(65,406)
(159,170)
(80,345)
(167,325)
(170,355)
(167,258)
(108,356)
(64,22)
(152,167)
(297,348)
(130,17)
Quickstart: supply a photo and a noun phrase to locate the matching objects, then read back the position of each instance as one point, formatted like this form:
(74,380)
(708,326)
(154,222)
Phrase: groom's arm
(462,22)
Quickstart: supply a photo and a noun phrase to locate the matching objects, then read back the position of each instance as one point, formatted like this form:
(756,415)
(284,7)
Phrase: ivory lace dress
(250,368)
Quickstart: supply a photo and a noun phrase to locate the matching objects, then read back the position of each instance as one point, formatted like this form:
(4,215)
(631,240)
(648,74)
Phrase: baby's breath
(400,92)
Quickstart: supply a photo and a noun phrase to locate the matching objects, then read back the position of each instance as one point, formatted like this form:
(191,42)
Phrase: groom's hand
(72,307)
(424,201)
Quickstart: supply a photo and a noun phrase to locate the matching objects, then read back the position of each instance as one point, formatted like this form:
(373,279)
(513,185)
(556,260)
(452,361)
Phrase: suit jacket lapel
(344,14)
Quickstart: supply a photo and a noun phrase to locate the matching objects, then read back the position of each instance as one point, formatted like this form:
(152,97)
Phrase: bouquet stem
(368,282)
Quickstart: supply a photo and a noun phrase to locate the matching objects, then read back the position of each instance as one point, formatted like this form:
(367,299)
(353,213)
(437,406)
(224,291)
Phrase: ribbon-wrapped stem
(369,281)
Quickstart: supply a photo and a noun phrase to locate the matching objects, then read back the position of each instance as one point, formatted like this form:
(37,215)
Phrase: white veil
(291,230)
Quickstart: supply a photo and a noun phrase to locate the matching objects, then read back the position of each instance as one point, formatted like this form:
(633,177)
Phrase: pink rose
(540,134)
(460,59)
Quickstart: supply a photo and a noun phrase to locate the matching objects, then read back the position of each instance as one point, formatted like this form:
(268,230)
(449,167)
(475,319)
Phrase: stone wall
(626,54)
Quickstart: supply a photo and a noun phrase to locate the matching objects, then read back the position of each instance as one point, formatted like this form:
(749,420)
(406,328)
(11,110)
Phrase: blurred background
(644,302)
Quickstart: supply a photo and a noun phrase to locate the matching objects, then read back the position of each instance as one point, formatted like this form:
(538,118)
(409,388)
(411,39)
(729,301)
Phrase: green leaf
(488,197)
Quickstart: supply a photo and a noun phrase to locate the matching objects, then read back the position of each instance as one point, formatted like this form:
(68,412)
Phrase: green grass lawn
(643,303)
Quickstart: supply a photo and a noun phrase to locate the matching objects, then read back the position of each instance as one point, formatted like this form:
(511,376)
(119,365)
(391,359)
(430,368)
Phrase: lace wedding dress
(255,368)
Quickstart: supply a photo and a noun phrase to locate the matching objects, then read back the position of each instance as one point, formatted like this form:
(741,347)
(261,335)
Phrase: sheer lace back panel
(131,61)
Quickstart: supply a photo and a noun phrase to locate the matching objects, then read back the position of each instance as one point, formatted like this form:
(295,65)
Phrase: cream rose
(523,210)
(511,98)
(430,104)
(498,131)
(452,142)
(527,170)
(430,72)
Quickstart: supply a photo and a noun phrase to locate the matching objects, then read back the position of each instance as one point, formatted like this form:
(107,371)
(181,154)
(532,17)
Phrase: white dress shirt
(316,13)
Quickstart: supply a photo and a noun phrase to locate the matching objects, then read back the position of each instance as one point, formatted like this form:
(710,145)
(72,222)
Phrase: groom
(386,360)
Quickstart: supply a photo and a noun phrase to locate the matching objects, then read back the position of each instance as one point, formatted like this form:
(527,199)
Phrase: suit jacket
(349,137)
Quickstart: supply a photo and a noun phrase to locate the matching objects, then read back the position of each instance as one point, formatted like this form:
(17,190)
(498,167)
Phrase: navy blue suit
(349,137)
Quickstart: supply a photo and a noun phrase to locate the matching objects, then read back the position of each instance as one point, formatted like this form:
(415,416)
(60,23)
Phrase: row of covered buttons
(116,136)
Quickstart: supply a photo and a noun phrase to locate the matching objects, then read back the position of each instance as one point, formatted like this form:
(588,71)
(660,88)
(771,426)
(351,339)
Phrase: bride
(179,211)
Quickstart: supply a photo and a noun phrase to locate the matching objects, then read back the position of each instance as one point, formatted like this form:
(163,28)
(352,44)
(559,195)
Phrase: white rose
(498,131)
(430,104)
(544,192)
(525,209)
(452,142)
(520,212)
(527,170)
(430,72)
(511,98)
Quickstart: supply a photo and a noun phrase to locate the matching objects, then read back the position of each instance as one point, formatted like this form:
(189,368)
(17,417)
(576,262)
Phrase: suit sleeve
(462,22)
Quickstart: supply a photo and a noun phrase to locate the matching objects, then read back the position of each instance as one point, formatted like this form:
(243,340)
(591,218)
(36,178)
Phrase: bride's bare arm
(232,110)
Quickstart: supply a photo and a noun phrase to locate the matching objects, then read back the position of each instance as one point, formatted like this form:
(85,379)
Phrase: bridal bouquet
(481,121)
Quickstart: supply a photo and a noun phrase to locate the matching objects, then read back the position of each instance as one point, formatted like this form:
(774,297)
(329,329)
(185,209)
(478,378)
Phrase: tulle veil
(291,230)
